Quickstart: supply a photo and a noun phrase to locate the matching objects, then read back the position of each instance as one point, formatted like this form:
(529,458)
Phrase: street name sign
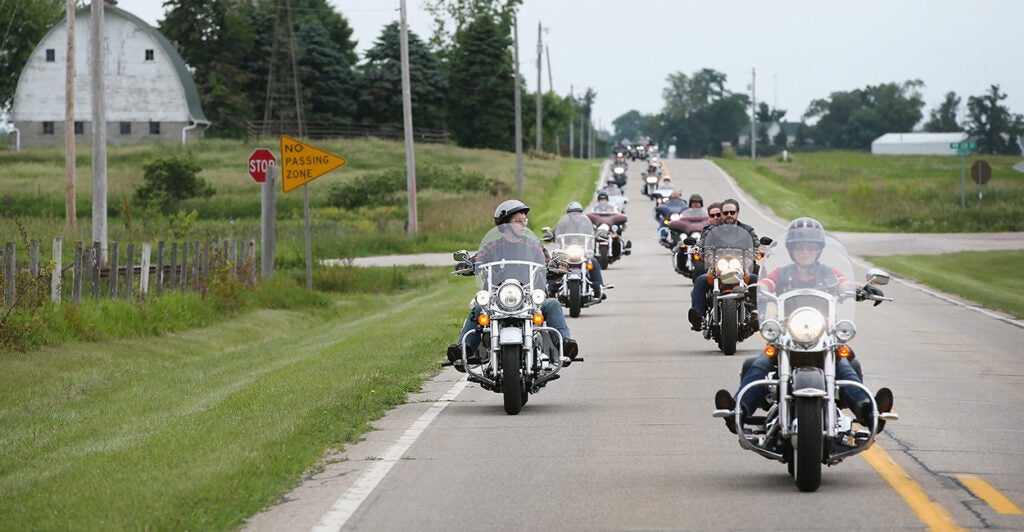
(302,163)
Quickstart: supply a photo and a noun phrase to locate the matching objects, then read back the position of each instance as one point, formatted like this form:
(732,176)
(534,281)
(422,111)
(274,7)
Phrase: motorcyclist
(673,205)
(577,223)
(604,206)
(805,240)
(696,201)
(699,295)
(515,244)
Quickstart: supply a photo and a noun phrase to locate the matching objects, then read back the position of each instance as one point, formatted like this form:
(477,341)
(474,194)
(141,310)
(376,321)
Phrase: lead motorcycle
(807,330)
(730,259)
(577,241)
(518,353)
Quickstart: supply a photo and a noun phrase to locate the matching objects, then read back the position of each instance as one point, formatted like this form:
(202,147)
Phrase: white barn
(150,94)
(916,143)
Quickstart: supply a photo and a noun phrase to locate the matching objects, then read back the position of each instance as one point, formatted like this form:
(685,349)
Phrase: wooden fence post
(33,259)
(95,258)
(57,278)
(129,273)
(76,274)
(161,277)
(147,251)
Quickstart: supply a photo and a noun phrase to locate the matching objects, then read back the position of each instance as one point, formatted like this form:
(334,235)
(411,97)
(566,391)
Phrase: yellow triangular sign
(302,163)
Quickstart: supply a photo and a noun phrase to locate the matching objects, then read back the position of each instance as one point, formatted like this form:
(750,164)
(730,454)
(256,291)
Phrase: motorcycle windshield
(729,240)
(605,208)
(511,251)
(794,277)
(574,233)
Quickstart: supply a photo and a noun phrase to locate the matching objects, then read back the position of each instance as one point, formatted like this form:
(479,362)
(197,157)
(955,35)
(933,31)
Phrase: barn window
(79,127)
(47,128)
(51,55)
(149,55)
(154,128)
(126,128)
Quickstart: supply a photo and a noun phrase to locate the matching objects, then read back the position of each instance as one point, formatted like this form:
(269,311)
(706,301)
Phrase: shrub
(169,180)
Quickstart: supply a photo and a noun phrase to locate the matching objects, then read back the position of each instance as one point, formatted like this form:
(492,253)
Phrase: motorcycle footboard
(552,374)
(752,442)
(475,373)
(860,445)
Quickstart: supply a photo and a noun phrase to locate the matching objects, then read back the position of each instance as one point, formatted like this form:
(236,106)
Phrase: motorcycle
(807,330)
(609,225)
(518,353)
(690,223)
(729,258)
(573,289)
(665,214)
(618,174)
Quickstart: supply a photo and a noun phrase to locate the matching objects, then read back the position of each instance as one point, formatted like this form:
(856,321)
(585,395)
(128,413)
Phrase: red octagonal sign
(260,159)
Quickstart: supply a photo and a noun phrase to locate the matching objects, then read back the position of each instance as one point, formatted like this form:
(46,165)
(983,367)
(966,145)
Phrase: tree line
(461,80)
(700,114)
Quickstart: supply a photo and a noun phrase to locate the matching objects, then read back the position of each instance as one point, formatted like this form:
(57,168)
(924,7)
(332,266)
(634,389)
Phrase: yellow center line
(929,512)
(984,491)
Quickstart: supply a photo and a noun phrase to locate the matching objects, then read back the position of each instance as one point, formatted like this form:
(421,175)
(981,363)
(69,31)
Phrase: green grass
(199,429)
(857,191)
(999,285)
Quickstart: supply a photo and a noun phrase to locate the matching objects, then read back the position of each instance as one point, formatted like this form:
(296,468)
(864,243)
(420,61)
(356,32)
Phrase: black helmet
(507,208)
(602,196)
(574,206)
(696,197)
(804,230)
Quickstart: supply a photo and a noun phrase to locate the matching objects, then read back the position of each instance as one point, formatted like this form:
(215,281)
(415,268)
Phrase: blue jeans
(762,365)
(701,287)
(594,275)
(551,309)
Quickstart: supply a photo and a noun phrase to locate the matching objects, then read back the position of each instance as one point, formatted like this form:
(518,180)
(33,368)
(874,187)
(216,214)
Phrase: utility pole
(99,131)
(572,123)
(753,114)
(69,126)
(540,67)
(410,153)
(551,88)
(519,108)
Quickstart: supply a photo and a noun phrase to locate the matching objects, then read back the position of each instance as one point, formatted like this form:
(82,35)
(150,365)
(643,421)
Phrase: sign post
(300,164)
(963,150)
(981,172)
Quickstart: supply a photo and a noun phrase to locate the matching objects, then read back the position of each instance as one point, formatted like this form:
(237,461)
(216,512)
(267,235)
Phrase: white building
(916,143)
(150,94)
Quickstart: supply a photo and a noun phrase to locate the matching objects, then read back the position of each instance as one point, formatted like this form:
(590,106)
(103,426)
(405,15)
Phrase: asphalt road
(626,440)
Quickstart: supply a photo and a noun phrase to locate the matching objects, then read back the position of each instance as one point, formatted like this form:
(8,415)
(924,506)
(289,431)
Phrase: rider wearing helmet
(575,218)
(805,241)
(516,243)
(696,201)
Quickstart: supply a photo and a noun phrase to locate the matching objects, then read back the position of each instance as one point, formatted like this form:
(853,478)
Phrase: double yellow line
(929,512)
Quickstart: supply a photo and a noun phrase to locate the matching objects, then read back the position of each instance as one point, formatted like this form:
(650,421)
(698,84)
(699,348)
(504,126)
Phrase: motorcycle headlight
(603,227)
(675,216)
(619,170)
(845,330)
(538,297)
(483,298)
(652,180)
(726,264)
(771,330)
(806,326)
(510,296)
(575,252)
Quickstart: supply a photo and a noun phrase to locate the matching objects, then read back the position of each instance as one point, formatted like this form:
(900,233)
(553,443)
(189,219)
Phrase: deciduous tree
(992,125)
(27,22)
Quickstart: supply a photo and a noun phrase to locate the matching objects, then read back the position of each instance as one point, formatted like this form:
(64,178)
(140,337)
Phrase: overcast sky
(801,49)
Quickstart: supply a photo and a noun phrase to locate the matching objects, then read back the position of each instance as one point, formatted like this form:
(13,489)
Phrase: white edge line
(353,497)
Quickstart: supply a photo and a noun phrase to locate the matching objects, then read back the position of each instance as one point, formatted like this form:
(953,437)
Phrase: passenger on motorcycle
(805,240)
(516,244)
(699,295)
(577,223)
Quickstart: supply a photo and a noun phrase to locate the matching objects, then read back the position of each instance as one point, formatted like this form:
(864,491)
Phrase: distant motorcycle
(807,330)
(685,230)
(573,288)
(609,226)
(729,258)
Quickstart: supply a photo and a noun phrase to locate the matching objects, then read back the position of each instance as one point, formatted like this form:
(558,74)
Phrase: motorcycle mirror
(689,241)
(765,241)
(460,255)
(548,235)
(878,276)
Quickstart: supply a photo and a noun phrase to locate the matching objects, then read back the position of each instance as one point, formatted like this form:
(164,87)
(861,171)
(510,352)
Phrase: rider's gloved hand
(464,267)
(863,292)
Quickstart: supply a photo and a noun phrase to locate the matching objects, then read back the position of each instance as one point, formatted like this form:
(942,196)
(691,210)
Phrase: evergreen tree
(380,93)
(481,107)
(328,87)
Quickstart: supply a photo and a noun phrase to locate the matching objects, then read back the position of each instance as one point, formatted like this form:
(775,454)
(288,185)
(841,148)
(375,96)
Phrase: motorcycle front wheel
(809,443)
(575,299)
(511,379)
(730,327)
(602,258)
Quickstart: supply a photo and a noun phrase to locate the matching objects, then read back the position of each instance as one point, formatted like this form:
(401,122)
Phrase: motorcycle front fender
(511,336)
(808,382)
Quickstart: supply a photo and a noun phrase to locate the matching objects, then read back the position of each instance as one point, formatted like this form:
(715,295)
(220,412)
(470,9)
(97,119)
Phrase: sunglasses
(715,215)
(729,213)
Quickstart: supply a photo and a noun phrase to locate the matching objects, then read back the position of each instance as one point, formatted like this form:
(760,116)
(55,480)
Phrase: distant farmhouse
(772,129)
(150,94)
(916,143)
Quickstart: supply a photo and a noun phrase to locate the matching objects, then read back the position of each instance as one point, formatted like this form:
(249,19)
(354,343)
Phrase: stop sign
(260,159)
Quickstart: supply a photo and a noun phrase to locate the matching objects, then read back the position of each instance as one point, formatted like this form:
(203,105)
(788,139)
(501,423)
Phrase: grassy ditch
(198,429)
